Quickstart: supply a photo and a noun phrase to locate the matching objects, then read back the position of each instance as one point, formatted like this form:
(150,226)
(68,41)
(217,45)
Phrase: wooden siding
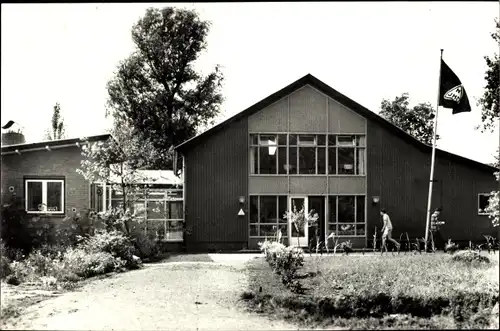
(273,119)
(347,185)
(308,110)
(268,185)
(399,174)
(308,185)
(344,120)
(216,176)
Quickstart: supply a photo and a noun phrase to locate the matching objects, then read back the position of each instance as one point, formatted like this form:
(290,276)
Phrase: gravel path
(181,295)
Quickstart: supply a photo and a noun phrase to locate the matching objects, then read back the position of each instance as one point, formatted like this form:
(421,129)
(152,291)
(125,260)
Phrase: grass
(400,292)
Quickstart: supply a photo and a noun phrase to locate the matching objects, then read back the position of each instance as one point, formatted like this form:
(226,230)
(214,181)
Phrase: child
(387,231)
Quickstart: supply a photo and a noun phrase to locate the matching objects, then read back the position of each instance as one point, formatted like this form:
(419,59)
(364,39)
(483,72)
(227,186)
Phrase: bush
(5,268)
(146,246)
(470,256)
(40,264)
(285,261)
(85,264)
(112,242)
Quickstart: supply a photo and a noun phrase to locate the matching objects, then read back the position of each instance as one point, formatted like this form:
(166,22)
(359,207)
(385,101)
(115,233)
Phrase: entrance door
(298,236)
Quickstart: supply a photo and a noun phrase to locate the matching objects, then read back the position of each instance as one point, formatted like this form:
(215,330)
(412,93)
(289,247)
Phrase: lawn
(380,292)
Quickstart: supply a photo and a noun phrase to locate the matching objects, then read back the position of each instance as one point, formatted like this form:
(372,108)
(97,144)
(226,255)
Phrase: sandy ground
(173,295)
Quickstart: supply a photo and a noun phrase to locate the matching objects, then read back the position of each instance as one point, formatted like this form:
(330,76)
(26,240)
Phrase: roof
(154,177)
(339,97)
(60,143)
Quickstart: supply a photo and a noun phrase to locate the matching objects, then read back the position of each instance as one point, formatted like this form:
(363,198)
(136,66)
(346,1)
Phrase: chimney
(12,134)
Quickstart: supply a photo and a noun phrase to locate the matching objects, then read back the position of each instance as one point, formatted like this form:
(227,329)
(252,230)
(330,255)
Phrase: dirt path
(165,296)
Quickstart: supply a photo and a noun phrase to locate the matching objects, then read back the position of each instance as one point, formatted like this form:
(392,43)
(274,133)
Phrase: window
(159,210)
(483,202)
(268,154)
(346,215)
(266,216)
(44,196)
(307,154)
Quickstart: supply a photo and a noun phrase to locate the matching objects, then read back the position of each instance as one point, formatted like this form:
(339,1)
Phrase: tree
(116,162)
(489,100)
(58,129)
(156,89)
(416,121)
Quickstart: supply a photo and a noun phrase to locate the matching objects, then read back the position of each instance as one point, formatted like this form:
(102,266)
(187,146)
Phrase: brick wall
(57,162)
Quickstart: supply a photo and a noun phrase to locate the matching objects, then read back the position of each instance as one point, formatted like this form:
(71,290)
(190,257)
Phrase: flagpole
(433,157)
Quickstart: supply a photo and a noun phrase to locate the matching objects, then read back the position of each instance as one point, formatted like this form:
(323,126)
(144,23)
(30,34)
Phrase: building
(43,175)
(308,145)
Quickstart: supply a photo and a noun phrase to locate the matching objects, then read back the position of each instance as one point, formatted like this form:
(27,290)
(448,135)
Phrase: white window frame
(44,196)
(479,212)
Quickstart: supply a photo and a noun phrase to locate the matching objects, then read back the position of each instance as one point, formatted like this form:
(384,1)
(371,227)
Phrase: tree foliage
(489,99)
(116,162)
(58,129)
(157,91)
(416,121)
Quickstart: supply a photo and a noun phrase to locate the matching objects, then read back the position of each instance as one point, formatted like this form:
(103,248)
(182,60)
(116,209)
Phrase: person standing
(387,231)
(435,228)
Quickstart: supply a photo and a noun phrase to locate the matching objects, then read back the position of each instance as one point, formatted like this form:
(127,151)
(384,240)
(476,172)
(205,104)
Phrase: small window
(483,202)
(44,196)
(307,140)
(346,140)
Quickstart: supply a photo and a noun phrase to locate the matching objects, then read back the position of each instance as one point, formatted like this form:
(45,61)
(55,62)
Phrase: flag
(452,92)
(8,125)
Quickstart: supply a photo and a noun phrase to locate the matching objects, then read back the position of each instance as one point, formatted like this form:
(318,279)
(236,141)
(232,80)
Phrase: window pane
(293,140)
(267,140)
(254,230)
(115,203)
(346,161)
(174,194)
(254,218)
(321,160)
(346,209)
(267,160)
(282,139)
(321,140)
(332,140)
(331,228)
(284,230)
(317,205)
(253,160)
(360,229)
(360,209)
(360,161)
(254,139)
(361,141)
(268,230)
(157,194)
(483,202)
(175,209)
(307,140)
(332,161)
(332,209)
(54,194)
(157,228)
(307,160)
(34,196)
(156,210)
(346,140)
(282,165)
(292,160)
(174,230)
(282,208)
(268,209)
(346,229)
(138,209)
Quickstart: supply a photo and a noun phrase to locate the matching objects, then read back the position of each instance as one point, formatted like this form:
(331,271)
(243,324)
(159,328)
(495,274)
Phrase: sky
(368,51)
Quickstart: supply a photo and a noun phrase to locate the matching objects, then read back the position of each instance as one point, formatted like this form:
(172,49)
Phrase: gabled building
(310,146)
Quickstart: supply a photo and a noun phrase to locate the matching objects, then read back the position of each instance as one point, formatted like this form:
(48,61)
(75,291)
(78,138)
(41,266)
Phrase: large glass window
(266,216)
(307,154)
(44,196)
(346,215)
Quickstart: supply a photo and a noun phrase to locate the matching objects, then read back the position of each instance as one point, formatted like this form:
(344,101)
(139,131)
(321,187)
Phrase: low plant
(5,268)
(470,256)
(85,264)
(450,247)
(346,247)
(146,245)
(374,241)
(490,243)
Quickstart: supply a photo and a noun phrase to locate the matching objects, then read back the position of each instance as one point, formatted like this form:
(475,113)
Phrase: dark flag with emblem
(452,92)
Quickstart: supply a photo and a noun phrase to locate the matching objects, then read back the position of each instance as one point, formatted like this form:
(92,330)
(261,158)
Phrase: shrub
(12,280)
(40,264)
(5,268)
(112,242)
(146,246)
(470,256)
(85,264)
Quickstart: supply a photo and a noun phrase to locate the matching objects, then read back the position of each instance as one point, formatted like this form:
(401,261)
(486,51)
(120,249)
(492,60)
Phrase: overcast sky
(66,53)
